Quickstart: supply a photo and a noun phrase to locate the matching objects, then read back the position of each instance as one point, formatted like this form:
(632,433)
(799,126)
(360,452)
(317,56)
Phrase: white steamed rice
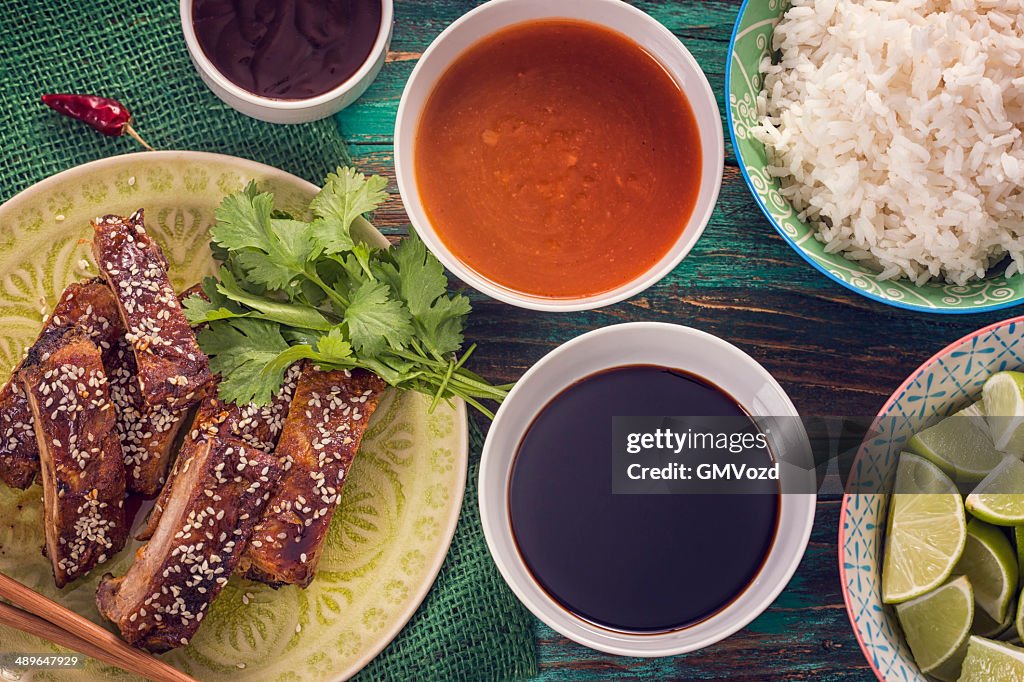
(895,127)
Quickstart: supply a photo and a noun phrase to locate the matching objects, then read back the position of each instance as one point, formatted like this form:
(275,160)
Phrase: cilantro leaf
(334,347)
(312,294)
(291,246)
(331,236)
(415,274)
(288,357)
(272,251)
(243,220)
(300,336)
(441,325)
(362,253)
(262,268)
(346,195)
(375,321)
(210,305)
(419,279)
(344,273)
(331,349)
(240,351)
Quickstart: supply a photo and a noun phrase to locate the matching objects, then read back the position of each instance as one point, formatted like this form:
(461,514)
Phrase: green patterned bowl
(751,41)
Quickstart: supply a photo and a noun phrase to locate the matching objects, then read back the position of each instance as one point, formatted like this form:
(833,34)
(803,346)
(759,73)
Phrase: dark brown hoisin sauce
(287,49)
(633,563)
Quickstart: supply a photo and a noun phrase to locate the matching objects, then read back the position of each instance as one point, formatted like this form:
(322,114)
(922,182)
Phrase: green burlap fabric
(470,627)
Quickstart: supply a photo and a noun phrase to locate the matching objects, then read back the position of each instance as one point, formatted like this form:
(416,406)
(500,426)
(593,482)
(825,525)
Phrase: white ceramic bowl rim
(612,14)
(637,343)
(199,55)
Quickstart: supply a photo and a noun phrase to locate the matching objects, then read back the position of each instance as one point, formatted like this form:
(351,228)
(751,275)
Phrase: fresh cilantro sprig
(290,290)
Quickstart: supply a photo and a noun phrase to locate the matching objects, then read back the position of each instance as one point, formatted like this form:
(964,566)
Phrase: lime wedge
(999,498)
(1020,617)
(937,626)
(926,530)
(989,661)
(990,563)
(1018,538)
(959,445)
(1003,394)
(984,626)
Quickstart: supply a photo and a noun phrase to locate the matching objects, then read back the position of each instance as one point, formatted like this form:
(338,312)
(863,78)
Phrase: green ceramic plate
(400,506)
(751,41)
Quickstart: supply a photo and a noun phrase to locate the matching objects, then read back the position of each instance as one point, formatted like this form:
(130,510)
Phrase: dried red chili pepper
(106,115)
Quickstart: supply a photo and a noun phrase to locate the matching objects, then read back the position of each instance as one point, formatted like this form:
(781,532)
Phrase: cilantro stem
(443,386)
(480,408)
(312,276)
(465,356)
(467,395)
(419,349)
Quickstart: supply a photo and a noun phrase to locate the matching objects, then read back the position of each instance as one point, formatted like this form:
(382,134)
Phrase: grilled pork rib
(321,435)
(260,427)
(79,452)
(88,306)
(172,370)
(147,432)
(213,504)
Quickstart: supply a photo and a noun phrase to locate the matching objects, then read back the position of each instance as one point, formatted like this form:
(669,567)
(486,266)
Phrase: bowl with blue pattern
(946,383)
(751,43)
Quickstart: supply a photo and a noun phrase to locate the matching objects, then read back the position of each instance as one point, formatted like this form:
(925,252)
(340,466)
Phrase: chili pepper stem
(138,138)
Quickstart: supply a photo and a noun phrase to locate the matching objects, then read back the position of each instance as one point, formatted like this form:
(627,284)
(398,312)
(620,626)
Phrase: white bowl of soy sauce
(637,574)
(288,61)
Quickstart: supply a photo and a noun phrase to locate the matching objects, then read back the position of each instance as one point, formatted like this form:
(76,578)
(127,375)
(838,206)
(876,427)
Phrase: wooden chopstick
(35,614)
(34,625)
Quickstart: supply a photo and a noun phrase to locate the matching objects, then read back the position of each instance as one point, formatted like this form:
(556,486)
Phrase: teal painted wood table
(833,351)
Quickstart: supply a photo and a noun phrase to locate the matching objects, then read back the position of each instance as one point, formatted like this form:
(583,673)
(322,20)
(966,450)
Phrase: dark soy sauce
(633,563)
(287,49)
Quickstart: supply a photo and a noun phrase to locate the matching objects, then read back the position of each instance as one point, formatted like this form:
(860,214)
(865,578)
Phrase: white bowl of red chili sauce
(558,155)
(287,62)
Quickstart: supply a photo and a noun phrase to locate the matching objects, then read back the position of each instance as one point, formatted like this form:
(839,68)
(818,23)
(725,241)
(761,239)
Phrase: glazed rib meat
(213,504)
(88,306)
(172,370)
(260,427)
(147,432)
(321,436)
(79,452)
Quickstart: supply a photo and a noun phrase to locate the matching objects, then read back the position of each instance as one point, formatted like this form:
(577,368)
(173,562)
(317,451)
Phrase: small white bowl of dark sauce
(639,574)
(288,61)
